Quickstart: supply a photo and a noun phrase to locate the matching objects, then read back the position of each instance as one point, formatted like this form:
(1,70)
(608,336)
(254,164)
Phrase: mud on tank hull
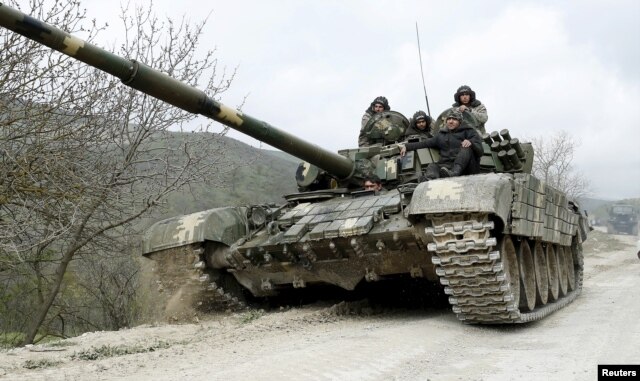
(506,247)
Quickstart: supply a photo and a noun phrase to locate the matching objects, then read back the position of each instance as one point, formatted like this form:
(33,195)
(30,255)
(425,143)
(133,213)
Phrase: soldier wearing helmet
(421,125)
(465,101)
(379,104)
(460,149)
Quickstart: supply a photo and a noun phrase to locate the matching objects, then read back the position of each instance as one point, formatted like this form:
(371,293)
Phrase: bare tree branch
(82,157)
(553,163)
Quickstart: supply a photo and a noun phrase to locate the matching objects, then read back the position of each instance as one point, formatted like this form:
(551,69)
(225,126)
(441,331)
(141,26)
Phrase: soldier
(373,183)
(379,104)
(460,149)
(421,125)
(466,102)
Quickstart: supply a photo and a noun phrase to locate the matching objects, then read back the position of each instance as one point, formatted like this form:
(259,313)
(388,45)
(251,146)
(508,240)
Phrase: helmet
(381,100)
(454,113)
(421,115)
(464,89)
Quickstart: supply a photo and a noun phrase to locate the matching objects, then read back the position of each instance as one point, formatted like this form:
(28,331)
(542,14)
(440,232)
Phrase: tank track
(477,276)
(183,269)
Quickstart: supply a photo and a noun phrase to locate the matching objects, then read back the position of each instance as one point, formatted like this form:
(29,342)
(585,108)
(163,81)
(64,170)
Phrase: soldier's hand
(403,149)
(462,108)
(466,143)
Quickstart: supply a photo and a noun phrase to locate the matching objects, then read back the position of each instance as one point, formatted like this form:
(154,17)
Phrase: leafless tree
(83,157)
(553,163)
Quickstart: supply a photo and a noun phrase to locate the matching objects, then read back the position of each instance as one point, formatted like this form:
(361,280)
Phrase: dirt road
(315,343)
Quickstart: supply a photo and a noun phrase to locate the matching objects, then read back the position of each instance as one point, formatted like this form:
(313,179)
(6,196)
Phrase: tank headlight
(258,216)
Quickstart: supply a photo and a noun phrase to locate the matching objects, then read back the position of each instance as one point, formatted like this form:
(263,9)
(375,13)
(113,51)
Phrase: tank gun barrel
(159,85)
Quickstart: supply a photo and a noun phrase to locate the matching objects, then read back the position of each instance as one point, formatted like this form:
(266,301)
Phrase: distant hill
(247,175)
(284,156)
(591,204)
(259,176)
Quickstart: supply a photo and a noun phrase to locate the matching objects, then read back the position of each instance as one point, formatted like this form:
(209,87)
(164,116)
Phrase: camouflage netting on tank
(541,211)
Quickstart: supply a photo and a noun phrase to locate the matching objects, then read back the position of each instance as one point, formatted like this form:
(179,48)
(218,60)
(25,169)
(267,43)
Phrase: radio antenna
(422,72)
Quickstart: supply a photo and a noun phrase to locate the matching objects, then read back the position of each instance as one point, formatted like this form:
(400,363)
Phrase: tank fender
(487,193)
(225,225)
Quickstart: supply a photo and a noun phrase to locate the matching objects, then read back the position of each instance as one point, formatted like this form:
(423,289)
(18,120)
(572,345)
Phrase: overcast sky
(312,67)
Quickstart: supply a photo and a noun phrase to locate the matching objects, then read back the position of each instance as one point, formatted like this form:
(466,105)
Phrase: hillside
(249,175)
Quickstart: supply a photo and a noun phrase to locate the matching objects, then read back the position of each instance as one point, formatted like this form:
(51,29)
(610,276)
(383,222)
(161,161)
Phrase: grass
(39,364)
(106,351)
(60,343)
(10,339)
(250,316)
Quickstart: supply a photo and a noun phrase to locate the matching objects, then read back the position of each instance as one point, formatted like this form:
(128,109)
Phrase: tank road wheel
(552,266)
(571,271)
(542,274)
(527,277)
(562,269)
(510,267)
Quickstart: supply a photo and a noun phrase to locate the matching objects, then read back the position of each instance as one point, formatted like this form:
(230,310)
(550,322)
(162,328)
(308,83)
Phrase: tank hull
(483,238)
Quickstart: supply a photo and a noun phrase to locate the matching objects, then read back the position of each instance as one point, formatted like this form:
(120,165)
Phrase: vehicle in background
(623,218)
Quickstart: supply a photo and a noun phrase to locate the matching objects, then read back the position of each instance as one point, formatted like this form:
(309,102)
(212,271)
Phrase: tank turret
(504,245)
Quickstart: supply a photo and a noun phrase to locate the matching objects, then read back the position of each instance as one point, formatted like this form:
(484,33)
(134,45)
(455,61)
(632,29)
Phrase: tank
(505,246)
(623,218)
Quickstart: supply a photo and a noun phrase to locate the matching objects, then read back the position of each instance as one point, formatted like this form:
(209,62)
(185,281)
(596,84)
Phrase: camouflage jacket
(449,143)
(363,140)
(479,111)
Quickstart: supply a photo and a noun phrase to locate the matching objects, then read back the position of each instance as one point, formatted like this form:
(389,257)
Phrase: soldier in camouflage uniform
(379,104)
(466,102)
(460,149)
(421,125)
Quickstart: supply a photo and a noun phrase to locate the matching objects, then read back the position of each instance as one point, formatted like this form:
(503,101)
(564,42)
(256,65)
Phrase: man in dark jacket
(460,149)
(421,125)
